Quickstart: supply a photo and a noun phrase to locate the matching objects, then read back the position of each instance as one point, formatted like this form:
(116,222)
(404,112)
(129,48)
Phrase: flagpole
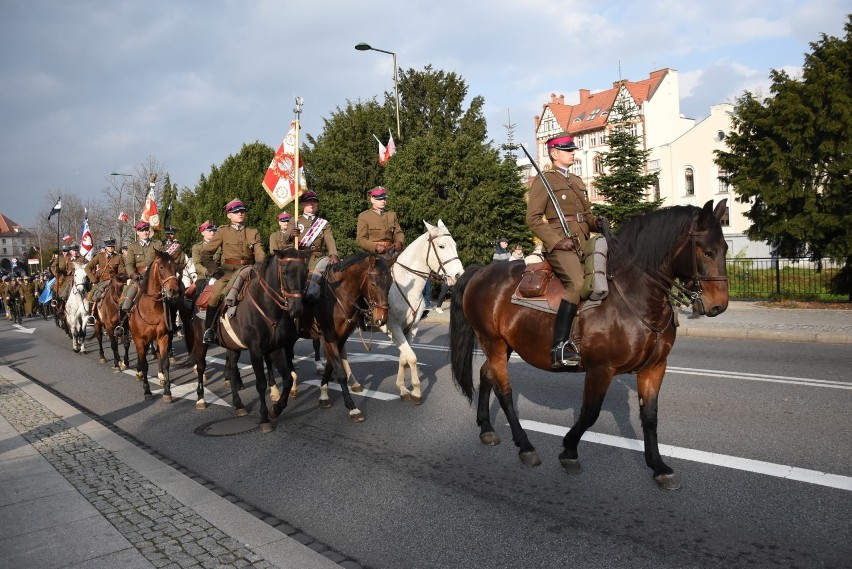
(298,110)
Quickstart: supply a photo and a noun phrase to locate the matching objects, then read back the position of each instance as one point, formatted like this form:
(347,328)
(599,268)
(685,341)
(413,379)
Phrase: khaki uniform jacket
(281,240)
(239,247)
(103,268)
(61,267)
(322,245)
(140,257)
(542,217)
(374,227)
(196,258)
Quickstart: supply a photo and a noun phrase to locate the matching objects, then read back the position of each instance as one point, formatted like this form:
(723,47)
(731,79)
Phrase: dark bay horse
(149,320)
(631,331)
(356,286)
(106,319)
(262,323)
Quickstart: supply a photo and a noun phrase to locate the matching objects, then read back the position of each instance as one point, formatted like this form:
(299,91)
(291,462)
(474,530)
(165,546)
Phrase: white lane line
(365,393)
(183,391)
(757,466)
(762,377)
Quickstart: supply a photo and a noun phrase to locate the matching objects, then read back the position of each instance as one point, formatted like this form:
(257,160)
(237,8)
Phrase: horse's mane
(162,256)
(646,241)
(349,261)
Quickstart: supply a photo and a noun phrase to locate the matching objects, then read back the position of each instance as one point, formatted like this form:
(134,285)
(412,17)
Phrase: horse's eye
(708,254)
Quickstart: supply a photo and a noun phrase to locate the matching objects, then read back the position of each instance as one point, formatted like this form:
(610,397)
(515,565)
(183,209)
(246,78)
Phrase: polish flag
(123,216)
(280,178)
(391,150)
(68,239)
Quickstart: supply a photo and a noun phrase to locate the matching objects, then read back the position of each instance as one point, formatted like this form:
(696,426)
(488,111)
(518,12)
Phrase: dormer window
(594,114)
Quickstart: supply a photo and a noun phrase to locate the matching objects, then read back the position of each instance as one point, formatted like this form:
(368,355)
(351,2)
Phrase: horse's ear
(428,226)
(441,224)
(720,209)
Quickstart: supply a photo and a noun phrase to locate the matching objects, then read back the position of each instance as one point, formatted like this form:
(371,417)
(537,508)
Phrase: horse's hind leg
(483,409)
(497,372)
(142,368)
(258,363)
(648,383)
(595,386)
(200,352)
(231,361)
(163,365)
(99,334)
(407,358)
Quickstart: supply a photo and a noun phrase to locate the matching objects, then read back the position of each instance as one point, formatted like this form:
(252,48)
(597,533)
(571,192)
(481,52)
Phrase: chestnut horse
(631,331)
(357,286)
(106,319)
(263,322)
(149,320)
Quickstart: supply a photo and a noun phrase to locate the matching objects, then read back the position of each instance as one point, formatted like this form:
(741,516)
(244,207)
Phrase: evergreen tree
(624,183)
(791,156)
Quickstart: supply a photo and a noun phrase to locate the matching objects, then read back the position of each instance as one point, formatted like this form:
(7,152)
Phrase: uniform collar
(237,226)
(379,211)
(145,243)
(308,216)
(563,171)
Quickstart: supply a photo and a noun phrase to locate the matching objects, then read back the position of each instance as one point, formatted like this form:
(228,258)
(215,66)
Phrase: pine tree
(624,183)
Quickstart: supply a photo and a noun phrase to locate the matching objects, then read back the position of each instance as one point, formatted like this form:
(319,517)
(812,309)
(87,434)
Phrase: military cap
(378,193)
(143,226)
(65,248)
(562,141)
(283,216)
(310,197)
(109,242)
(205,226)
(170,230)
(235,206)
(74,248)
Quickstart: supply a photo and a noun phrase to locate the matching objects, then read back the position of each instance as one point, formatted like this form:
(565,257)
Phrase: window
(724,184)
(593,140)
(689,181)
(594,114)
(603,138)
(726,218)
(598,164)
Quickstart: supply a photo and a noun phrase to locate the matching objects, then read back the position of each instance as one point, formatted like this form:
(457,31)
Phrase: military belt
(579,218)
(236,262)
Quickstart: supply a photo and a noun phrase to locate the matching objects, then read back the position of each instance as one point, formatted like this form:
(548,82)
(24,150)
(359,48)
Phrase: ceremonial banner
(86,245)
(280,178)
(56,209)
(47,294)
(149,212)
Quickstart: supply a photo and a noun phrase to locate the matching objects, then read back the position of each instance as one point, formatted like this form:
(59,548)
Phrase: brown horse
(106,319)
(357,286)
(262,323)
(631,331)
(149,320)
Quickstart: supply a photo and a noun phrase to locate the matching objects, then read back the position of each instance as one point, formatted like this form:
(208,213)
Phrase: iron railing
(764,277)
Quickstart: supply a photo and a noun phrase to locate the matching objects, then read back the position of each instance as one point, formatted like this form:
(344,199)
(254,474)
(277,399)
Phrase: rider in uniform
(240,246)
(378,230)
(561,250)
(315,234)
(285,236)
(140,255)
(100,270)
(207,230)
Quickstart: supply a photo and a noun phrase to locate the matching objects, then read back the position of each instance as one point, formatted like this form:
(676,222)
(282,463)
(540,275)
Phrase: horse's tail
(462,338)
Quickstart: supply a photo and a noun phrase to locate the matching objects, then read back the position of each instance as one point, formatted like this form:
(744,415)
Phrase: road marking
(762,377)
(365,393)
(22,329)
(183,391)
(756,466)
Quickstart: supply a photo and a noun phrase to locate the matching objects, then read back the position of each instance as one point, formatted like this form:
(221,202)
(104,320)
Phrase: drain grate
(228,427)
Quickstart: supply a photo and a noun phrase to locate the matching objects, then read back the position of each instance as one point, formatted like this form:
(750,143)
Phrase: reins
(280,297)
(431,275)
(355,308)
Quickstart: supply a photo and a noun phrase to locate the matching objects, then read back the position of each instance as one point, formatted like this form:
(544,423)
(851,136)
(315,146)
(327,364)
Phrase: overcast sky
(91,87)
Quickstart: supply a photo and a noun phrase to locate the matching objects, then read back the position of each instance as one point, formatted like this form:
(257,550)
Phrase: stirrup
(562,358)
(118,330)
(209,336)
(90,320)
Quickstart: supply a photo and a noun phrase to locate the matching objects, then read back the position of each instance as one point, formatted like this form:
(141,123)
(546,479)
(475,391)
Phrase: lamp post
(367,47)
(120,193)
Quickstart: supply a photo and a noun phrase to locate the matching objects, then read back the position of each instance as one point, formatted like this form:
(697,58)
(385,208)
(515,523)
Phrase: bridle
(163,282)
(372,304)
(281,297)
(689,293)
(432,275)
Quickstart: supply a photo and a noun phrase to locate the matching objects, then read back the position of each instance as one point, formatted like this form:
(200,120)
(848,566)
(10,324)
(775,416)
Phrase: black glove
(566,244)
(296,231)
(380,249)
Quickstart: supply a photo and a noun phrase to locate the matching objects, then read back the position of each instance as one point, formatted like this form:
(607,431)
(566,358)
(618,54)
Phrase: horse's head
(374,289)
(442,258)
(162,276)
(701,262)
(291,272)
(80,278)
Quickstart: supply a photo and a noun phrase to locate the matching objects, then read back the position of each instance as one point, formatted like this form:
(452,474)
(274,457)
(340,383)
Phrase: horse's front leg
(595,386)
(648,383)
(283,364)
(354,386)
(231,360)
(163,365)
(258,363)
(274,392)
(200,353)
(125,340)
(142,366)
(332,355)
(409,358)
(99,335)
(113,344)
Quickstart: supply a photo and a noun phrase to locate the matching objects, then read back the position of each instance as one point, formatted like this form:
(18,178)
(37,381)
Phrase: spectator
(517,253)
(501,253)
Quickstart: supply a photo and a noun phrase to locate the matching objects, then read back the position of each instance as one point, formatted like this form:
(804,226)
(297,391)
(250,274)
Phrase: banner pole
(297,178)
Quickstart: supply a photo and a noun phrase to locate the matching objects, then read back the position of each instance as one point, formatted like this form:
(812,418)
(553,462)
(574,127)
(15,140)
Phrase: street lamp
(367,47)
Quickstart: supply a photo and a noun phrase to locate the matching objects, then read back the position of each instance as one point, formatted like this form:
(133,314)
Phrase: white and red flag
(280,178)
(123,216)
(149,212)
(385,152)
(68,239)
(86,245)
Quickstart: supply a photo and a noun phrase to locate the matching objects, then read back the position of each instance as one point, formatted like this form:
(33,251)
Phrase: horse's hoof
(102,360)
(266,427)
(116,369)
(529,458)
(275,397)
(149,396)
(241,412)
(405,396)
(490,438)
(325,404)
(416,399)
(162,382)
(357,417)
(667,481)
(201,404)
(172,360)
(571,465)
(122,366)
(138,376)
(294,393)
(204,378)
(273,415)
(167,398)
(356,388)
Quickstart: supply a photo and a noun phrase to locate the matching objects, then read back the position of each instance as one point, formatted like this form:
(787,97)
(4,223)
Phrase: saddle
(538,289)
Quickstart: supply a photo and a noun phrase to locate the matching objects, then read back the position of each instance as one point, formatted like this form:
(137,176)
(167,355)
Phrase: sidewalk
(747,320)
(73,493)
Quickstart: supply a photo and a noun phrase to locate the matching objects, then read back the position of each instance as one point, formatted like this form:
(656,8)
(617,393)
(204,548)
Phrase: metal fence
(764,277)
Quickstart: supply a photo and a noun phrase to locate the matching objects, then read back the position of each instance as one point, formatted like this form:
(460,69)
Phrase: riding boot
(122,316)
(563,353)
(210,321)
(91,319)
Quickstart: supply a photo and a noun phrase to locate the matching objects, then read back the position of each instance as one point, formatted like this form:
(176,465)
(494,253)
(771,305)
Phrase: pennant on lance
(86,245)
(280,178)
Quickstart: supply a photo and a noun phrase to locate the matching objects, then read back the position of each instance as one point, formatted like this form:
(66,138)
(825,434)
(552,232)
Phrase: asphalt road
(761,428)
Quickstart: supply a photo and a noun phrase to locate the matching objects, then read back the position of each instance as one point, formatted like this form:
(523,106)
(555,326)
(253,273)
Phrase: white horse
(432,254)
(189,274)
(77,309)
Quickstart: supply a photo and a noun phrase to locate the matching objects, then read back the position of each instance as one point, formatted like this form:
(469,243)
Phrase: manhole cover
(227,427)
